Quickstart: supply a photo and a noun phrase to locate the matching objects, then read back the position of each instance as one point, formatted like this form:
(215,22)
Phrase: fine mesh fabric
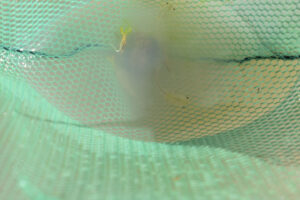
(201,102)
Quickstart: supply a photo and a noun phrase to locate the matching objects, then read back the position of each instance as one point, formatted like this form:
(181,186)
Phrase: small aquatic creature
(124,33)
(174,98)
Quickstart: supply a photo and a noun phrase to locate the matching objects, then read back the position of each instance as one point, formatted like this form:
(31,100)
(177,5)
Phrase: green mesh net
(149,99)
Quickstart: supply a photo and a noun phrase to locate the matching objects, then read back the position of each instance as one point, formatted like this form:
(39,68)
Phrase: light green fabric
(82,121)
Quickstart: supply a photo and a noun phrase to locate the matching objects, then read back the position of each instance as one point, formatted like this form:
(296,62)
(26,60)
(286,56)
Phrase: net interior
(149,99)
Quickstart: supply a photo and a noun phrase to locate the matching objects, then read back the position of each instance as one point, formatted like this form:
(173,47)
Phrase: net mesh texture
(149,99)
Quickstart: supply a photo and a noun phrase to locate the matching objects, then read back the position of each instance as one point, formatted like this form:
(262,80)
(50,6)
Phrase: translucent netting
(208,72)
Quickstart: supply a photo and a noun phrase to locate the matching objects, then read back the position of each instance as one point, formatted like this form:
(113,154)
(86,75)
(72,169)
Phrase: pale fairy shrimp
(173,98)
(176,99)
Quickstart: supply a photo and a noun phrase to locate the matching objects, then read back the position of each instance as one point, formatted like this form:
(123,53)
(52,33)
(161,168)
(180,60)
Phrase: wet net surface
(201,102)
